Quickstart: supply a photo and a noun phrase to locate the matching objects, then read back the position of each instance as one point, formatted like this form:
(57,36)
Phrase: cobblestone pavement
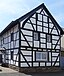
(10,72)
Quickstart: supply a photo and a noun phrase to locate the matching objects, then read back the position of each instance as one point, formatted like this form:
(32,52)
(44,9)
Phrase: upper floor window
(36,36)
(12,36)
(49,38)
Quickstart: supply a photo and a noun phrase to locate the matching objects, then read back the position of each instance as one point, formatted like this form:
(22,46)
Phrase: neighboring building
(31,41)
(62,42)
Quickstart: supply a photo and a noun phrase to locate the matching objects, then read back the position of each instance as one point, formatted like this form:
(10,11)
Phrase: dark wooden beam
(56,59)
(31,24)
(48,23)
(25,59)
(19,58)
(41,10)
(25,39)
(52,29)
(57,42)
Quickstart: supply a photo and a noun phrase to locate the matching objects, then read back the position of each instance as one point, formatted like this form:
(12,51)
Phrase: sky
(11,10)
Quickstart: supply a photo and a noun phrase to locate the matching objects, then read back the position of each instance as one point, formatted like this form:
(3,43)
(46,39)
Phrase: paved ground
(10,72)
(7,70)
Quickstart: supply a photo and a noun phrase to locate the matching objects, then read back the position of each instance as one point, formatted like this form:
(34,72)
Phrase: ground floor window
(41,56)
(11,55)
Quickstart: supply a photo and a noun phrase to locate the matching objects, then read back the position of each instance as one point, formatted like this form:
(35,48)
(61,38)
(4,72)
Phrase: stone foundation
(36,69)
(39,69)
(5,65)
(14,67)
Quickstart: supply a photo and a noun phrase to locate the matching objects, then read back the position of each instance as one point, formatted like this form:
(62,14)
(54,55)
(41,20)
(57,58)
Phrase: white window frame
(41,54)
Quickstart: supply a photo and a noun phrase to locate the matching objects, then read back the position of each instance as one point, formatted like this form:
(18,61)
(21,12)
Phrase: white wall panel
(42,35)
(57,64)
(25,32)
(55,54)
(24,43)
(54,58)
(33,20)
(39,23)
(26,52)
(36,43)
(42,40)
(55,37)
(22,59)
(9,57)
(48,45)
(15,51)
(16,63)
(24,65)
(39,11)
(12,62)
(28,58)
(33,56)
(51,25)
(43,46)
(54,42)
(49,56)
(34,26)
(35,64)
(58,47)
(55,32)
(45,24)
(34,15)
(17,43)
(42,64)
(29,38)
(11,44)
(45,30)
(28,26)
(39,17)
(39,28)
(45,18)
(48,64)
(30,43)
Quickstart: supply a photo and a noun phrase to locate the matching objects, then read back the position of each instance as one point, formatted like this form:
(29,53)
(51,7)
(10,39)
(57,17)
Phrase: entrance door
(0,58)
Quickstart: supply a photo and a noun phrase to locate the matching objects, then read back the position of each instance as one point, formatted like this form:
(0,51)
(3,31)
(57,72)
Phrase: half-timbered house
(33,41)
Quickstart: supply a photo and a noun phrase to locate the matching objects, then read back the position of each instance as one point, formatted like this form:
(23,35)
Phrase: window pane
(44,56)
(48,38)
(12,36)
(36,36)
(38,55)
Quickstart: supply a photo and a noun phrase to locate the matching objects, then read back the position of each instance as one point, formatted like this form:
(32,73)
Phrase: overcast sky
(10,10)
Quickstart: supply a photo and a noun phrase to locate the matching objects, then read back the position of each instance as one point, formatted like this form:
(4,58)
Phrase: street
(33,74)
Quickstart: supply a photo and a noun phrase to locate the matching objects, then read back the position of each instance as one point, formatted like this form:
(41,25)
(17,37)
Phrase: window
(11,55)
(36,36)
(12,36)
(41,56)
(49,38)
(3,40)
